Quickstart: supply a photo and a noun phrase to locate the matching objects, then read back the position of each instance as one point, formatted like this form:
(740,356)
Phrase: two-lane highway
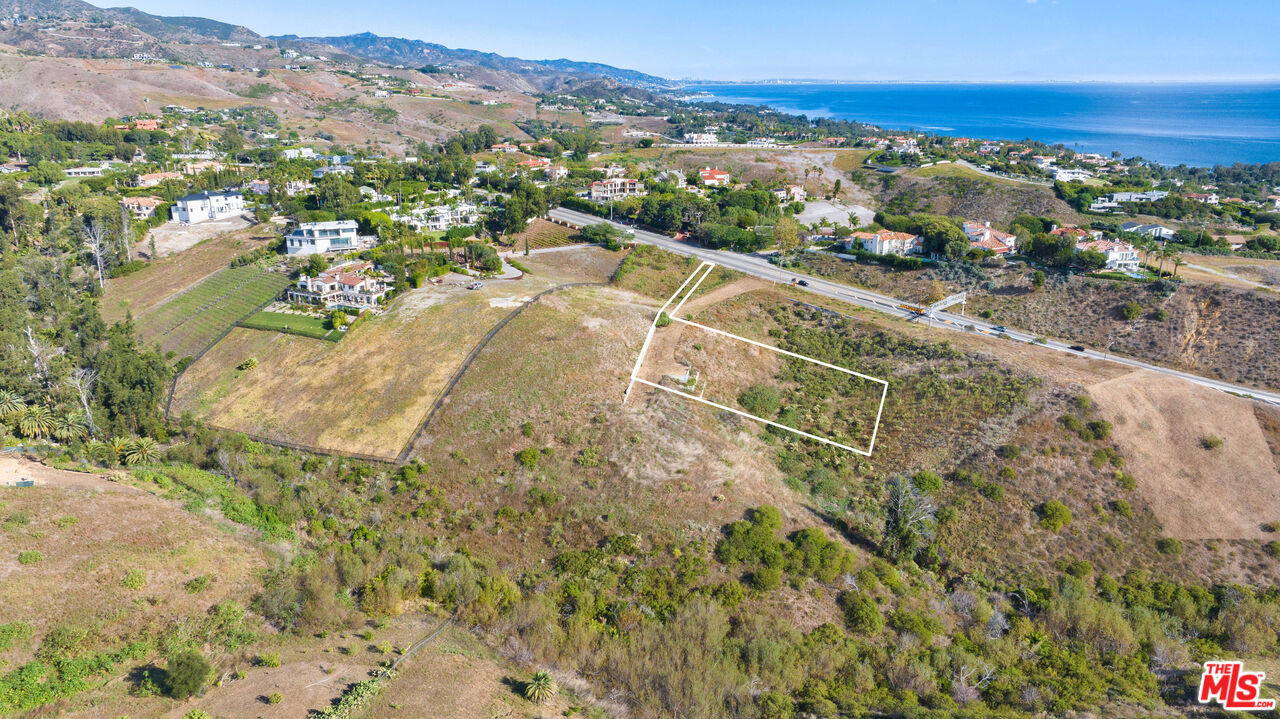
(763,269)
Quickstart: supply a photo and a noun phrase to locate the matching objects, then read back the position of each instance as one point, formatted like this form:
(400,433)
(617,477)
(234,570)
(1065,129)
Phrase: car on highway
(1076,348)
(999,328)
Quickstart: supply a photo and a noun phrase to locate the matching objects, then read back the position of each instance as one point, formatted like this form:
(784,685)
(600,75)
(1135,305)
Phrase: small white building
(317,238)
(440,217)
(204,206)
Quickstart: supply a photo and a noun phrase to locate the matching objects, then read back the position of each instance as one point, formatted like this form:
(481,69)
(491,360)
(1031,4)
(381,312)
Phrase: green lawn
(192,320)
(292,324)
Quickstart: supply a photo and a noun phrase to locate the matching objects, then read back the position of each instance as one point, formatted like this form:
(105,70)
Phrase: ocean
(1193,124)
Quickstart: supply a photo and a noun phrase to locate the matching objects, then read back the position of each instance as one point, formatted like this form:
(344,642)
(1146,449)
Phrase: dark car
(803,283)
(1076,348)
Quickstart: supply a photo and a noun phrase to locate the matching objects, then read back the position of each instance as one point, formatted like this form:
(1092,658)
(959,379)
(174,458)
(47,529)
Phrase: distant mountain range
(542,74)
(416,53)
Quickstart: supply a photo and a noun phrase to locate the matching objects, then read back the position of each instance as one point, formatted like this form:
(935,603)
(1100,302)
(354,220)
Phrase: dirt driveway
(173,237)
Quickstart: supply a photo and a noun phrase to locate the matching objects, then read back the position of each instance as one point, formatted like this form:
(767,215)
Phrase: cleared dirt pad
(1197,493)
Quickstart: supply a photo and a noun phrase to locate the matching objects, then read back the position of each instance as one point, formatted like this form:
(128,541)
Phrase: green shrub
(1272,549)
(1211,442)
(993,491)
(1169,545)
(527,457)
(766,579)
(1126,481)
(761,400)
(526,429)
(589,457)
(1122,508)
(1054,515)
(134,579)
(275,698)
(187,673)
(776,705)
(1130,310)
(1080,569)
(663,320)
(29,556)
(270,659)
(198,584)
(861,614)
(927,481)
(1101,428)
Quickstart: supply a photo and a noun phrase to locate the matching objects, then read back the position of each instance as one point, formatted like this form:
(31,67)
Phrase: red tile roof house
(987,237)
(354,285)
(147,125)
(141,207)
(504,147)
(713,177)
(885,242)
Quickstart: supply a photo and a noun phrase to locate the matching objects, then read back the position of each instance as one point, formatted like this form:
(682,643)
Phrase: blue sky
(970,40)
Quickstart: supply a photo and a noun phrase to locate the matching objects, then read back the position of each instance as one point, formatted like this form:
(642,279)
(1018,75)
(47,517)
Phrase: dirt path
(14,469)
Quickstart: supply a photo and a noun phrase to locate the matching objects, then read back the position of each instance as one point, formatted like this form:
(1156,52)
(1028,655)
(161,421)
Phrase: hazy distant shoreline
(1198,124)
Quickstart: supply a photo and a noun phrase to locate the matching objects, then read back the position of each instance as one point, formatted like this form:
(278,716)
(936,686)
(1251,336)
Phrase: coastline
(1198,124)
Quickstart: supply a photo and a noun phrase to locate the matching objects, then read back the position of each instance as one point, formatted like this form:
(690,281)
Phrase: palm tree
(11,403)
(540,688)
(70,427)
(36,422)
(1177,262)
(142,450)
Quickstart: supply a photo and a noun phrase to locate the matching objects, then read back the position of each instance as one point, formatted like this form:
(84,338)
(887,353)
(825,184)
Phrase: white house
(141,208)
(791,193)
(700,138)
(671,177)
(87,170)
(353,285)
(555,172)
(294,153)
(203,206)
(260,187)
(339,170)
(1121,256)
(885,242)
(1159,232)
(986,236)
(1070,174)
(612,189)
(714,177)
(440,217)
(312,238)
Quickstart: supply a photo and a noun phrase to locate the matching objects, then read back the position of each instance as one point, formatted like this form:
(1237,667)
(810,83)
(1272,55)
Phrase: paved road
(998,176)
(757,267)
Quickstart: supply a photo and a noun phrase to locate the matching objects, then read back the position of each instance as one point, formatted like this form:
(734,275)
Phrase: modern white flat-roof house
(1121,256)
(204,206)
(312,238)
(440,217)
